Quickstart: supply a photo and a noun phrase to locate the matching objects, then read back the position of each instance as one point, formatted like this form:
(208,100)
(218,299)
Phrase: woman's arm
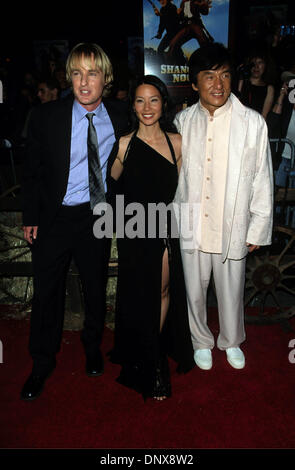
(278,106)
(117,167)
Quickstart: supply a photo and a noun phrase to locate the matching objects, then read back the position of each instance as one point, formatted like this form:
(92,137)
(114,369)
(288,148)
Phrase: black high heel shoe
(162,386)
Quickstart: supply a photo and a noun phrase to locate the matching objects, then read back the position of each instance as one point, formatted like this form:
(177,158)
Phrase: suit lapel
(63,133)
(67,129)
(238,132)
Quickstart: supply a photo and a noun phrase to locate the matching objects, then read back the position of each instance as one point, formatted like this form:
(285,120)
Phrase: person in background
(48,90)
(120,90)
(61,76)
(281,125)
(254,90)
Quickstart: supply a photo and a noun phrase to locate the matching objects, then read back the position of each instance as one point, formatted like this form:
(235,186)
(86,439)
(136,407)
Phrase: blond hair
(91,51)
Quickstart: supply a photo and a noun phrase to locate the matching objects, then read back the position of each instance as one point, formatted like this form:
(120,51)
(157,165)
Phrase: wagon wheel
(14,249)
(270,274)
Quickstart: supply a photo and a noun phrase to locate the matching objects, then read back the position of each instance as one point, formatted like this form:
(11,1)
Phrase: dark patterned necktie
(96,186)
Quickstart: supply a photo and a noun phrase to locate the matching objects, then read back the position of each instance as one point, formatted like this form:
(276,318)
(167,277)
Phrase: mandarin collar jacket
(248,207)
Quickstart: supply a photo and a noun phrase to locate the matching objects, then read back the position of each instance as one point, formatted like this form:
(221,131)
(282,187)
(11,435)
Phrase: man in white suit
(225,198)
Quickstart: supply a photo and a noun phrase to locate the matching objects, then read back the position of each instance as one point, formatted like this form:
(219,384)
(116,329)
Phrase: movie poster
(173,30)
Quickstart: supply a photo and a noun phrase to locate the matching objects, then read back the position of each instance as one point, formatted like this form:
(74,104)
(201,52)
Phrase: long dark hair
(168,111)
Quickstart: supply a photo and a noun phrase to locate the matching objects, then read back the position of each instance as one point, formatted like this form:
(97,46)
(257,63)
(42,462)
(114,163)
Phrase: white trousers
(229,280)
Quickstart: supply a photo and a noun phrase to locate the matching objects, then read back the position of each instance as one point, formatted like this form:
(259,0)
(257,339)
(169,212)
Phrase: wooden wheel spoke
(9,234)
(11,248)
(287,265)
(19,255)
(272,275)
(10,294)
(276,299)
(262,303)
(250,296)
(285,249)
(287,289)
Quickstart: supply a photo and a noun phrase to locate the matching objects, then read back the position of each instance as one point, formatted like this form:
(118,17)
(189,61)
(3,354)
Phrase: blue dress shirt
(77,189)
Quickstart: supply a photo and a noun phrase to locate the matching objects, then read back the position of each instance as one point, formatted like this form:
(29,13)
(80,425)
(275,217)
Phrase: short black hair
(210,57)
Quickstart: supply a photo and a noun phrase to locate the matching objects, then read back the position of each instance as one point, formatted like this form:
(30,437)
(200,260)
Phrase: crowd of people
(86,148)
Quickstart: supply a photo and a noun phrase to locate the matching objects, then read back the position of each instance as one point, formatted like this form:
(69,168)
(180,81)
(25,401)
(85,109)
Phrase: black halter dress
(147,178)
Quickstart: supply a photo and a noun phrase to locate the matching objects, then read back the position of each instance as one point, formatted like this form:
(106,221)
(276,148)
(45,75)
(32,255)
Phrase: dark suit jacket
(47,163)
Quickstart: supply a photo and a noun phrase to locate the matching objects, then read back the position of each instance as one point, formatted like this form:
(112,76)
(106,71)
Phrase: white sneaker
(203,358)
(235,358)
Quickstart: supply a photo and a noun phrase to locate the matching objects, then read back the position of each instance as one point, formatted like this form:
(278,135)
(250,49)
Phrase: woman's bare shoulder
(176,142)
(123,143)
(174,136)
(125,139)
(175,139)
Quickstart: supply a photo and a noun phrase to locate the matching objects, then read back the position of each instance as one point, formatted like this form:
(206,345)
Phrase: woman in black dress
(151,312)
(255,91)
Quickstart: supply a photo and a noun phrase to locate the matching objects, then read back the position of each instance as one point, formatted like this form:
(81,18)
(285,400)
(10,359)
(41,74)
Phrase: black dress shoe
(94,366)
(33,387)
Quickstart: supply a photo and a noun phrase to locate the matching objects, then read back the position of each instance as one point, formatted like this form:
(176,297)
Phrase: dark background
(108,22)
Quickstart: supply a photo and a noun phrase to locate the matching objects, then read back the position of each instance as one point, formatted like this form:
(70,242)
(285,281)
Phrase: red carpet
(223,408)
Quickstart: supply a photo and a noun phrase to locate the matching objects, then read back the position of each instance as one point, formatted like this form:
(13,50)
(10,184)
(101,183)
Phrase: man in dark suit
(58,199)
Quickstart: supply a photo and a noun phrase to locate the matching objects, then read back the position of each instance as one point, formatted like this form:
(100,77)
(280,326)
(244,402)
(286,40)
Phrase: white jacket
(248,208)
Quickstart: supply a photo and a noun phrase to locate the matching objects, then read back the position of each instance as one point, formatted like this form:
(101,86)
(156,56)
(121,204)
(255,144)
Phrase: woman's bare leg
(165,299)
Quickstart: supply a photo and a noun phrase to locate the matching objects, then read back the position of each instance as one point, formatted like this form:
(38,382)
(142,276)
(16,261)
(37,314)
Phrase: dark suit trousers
(70,235)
